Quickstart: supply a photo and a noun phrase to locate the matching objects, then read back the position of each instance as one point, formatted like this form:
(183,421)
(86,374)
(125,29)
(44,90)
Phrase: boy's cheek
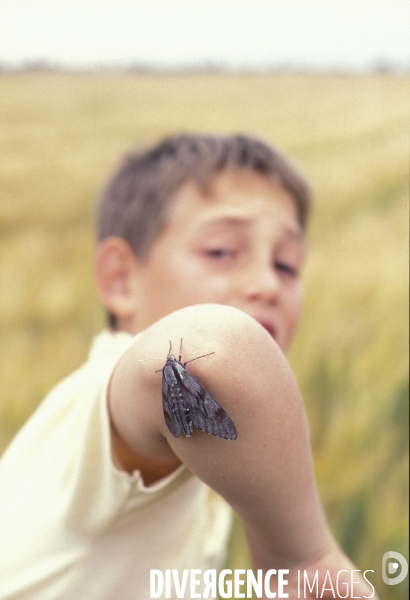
(216,290)
(193,284)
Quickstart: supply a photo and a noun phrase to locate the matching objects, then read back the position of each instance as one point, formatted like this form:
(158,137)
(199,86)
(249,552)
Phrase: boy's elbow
(239,343)
(249,377)
(246,372)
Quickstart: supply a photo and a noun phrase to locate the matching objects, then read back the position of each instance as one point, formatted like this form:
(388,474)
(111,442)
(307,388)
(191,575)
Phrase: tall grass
(62,134)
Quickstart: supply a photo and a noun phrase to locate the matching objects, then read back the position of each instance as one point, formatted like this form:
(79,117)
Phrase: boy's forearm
(266,474)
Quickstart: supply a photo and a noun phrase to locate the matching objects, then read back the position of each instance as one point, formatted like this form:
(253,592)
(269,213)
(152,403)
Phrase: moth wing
(169,416)
(206,414)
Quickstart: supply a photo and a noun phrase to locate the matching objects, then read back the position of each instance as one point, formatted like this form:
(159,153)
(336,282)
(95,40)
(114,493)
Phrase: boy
(200,239)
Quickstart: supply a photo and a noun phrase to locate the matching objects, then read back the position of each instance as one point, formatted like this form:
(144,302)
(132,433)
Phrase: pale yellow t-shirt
(73,526)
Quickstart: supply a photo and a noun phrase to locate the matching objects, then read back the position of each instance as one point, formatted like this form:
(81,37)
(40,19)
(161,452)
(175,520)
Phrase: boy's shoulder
(75,396)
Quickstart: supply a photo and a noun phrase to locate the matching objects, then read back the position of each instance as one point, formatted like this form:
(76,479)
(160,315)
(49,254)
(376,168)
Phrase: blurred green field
(63,133)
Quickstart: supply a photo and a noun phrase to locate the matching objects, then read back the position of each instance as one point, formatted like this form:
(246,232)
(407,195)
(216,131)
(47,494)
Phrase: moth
(186,402)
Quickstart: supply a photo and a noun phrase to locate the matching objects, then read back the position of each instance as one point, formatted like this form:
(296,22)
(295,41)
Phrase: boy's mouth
(269,326)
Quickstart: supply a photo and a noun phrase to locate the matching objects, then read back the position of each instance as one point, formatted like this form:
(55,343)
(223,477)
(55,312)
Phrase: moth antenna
(192,359)
(170,347)
(156,358)
(180,351)
(160,357)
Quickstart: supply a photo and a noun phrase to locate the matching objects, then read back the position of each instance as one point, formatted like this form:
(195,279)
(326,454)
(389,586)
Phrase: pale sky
(318,34)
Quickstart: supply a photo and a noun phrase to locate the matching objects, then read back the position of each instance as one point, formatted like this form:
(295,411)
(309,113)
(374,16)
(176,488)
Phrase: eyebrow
(295,233)
(230,222)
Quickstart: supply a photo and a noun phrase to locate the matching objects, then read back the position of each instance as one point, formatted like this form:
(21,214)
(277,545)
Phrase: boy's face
(240,245)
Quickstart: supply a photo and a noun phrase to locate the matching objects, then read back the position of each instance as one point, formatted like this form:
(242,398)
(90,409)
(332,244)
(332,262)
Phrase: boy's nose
(262,283)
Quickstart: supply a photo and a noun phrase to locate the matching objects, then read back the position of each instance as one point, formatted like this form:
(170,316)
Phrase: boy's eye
(286,268)
(219,252)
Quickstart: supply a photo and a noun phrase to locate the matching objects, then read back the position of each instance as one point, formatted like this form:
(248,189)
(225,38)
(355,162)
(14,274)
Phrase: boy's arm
(266,474)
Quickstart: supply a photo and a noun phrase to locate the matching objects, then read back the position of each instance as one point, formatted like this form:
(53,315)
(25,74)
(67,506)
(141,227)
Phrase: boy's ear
(115,269)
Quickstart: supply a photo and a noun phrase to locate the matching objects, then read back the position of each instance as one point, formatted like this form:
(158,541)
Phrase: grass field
(63,133)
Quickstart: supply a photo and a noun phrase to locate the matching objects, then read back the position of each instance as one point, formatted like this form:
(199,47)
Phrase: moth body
(172,375)
(187,403)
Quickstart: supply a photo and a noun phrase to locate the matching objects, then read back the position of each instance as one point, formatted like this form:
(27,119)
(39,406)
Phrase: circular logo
(390,568)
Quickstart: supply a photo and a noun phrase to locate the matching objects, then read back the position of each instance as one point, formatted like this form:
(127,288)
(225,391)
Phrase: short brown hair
(136,201)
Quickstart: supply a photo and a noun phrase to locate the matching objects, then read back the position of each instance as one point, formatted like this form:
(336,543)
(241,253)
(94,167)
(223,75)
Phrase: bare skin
(241,247)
